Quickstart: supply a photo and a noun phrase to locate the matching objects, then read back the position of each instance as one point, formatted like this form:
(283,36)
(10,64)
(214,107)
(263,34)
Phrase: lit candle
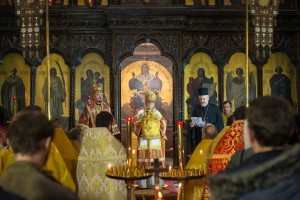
(180,145)
(109,168)
(200,151)
(179,191)
(160,195)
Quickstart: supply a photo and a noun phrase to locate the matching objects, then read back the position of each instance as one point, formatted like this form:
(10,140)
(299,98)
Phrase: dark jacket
(239,157)
(30,182)
(277,178)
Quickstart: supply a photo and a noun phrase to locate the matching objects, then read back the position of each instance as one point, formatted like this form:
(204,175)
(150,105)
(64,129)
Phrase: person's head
(240,113)
(278,70)
(203,96)
(56,123)
(104,119)
(53,71)
(97,74)
(271,122)
(201,72)
(209,131)
(13,72)
(239,71)
(97,92)
(227,107)
(150,99)
(145,69)
(89,74)
(30,134)
(32,107)
(75,134)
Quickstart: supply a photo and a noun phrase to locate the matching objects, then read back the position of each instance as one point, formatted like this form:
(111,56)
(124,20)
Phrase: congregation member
(93,107)
(30,142)
(54,164)
(273,171)
(227,112)
(209,113)
(99,149)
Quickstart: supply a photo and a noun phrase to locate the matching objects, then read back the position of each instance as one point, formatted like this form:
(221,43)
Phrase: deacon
(209,113)
(93,107)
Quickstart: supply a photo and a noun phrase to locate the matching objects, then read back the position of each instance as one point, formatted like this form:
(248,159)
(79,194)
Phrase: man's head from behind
(271,121)
(209,131)
(104,119)
(30,134)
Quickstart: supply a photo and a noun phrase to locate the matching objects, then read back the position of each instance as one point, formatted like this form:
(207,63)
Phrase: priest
(210,113)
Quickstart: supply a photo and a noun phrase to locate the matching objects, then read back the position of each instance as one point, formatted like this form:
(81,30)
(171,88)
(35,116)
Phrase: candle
(109,168)
(160,196)
(15,104)
(179,191)
(180,145)
(128,143)
(133,165)
(200,151)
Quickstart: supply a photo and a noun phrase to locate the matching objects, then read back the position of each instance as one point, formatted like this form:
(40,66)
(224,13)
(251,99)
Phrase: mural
(141,76)
(234,77)
(92,69)
(279,77)
(15,85)
(59,87)
(200,72)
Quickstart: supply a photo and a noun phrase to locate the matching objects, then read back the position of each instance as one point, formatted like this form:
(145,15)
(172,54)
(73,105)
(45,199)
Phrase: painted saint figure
(57,94)
(143,83)
(13,86)
(280,85)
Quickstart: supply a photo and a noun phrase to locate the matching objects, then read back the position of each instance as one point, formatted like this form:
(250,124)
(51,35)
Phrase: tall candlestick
(180,145)
(128,146)
(179,191)
(15,105)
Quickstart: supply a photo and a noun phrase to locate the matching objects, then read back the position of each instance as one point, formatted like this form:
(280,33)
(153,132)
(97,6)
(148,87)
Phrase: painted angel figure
(236,88)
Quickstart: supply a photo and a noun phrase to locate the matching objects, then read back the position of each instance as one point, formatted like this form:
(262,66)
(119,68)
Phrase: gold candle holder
(128,143)
(180,145)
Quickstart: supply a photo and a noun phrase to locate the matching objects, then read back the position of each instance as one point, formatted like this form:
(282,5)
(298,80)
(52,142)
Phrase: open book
(198,121)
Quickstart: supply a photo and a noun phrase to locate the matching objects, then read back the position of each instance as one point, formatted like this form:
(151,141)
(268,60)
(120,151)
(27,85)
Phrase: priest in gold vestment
(199,160)
(99,148)
(94,106)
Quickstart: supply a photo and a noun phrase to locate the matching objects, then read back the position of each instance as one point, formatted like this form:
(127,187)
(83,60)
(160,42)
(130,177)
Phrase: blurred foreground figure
(273,171)
(30,142)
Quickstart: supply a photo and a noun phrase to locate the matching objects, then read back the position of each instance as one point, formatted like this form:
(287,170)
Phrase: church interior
(237,49)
